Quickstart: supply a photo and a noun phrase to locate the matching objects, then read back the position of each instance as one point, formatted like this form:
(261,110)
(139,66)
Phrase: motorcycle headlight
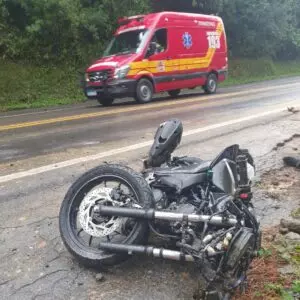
(122,72)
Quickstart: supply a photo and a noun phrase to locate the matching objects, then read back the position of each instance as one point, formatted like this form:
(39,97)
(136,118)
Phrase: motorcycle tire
(93,257)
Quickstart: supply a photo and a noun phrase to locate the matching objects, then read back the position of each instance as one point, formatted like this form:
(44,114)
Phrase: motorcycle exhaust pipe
(152,214)
(146,250)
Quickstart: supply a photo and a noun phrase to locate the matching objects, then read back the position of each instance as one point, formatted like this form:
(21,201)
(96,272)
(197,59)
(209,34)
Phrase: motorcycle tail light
(244,196)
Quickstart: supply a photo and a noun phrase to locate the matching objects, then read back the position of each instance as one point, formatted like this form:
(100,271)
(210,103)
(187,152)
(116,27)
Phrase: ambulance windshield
(127,42)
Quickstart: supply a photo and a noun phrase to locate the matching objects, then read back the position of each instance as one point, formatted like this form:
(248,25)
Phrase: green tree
(258,28)
(60,30)
(203,6)
(254,28)
(77,30)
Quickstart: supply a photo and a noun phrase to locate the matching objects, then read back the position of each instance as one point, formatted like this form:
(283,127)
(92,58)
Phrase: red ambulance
(159,52)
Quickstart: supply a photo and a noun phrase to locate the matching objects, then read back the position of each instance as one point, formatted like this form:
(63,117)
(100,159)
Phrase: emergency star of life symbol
(187,40)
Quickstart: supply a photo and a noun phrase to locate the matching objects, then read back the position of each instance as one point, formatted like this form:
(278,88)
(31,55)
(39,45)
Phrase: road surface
(43,151)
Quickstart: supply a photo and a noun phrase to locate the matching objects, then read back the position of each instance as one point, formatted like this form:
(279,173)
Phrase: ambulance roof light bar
(127,20)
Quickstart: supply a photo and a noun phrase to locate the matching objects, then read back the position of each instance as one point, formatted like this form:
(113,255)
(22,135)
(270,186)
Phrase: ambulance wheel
(144,91)
(174,93)
(106,101)
(211,84)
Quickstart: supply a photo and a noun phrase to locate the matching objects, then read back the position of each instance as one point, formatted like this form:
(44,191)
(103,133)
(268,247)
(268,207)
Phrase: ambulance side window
(159,42)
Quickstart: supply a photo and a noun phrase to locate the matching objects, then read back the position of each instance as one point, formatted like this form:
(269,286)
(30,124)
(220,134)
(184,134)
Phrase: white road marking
(112,152)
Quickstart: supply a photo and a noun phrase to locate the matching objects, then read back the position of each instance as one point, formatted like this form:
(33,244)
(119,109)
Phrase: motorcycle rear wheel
(90,255)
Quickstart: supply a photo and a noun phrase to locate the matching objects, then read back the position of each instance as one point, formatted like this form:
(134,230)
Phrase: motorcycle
(202,208)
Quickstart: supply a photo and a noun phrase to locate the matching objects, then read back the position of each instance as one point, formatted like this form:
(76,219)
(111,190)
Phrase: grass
(284,293)
(296,213)
(27,86)
(243,71)
(264,279)
(264,253)
(278,289)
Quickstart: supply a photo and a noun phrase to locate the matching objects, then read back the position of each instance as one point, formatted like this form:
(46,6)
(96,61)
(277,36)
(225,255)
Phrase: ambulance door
(160,60)
(190,60)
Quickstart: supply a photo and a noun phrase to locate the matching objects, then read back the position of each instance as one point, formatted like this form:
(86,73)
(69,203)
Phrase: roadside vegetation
(275,273)
(41,86)
(43,44)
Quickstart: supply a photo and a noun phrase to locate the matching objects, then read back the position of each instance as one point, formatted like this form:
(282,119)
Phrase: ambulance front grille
(100,76)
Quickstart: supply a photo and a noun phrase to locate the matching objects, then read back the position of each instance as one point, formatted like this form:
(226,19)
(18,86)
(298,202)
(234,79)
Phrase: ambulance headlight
(122,72)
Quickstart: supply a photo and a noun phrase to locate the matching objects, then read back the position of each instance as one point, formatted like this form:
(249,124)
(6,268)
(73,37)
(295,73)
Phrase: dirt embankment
(276,273)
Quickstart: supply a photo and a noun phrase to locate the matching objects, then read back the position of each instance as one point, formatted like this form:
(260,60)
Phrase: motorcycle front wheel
(82,229)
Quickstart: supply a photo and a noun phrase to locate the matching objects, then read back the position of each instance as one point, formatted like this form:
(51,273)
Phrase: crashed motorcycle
(202,208)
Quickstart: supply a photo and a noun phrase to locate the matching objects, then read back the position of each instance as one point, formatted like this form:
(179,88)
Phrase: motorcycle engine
(177,227)
(160,199)
(180,206)
(184,208)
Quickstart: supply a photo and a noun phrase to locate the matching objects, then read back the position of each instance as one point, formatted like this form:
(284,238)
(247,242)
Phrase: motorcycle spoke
(90,240)
(111,236)
(79,231)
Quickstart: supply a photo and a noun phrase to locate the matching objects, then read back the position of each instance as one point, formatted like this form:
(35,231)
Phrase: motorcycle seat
(196,168)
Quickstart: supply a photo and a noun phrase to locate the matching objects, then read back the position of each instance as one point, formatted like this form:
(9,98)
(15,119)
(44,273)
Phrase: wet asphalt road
(26,134)
(34,263)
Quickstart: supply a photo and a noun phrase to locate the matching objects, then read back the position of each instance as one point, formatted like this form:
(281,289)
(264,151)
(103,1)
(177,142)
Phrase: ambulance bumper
(116,89)
(223,74)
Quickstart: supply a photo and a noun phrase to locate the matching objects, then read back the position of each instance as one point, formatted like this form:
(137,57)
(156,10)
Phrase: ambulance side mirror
(151,49)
